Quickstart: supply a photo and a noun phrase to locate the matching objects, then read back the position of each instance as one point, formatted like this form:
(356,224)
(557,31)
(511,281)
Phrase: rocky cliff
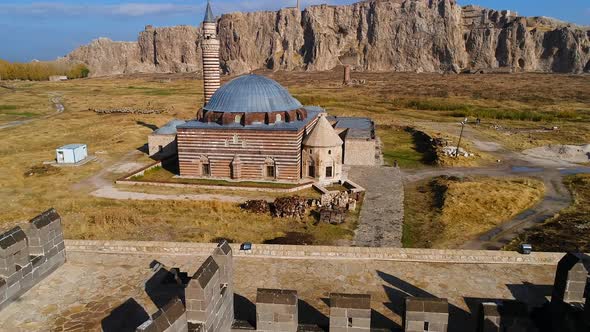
(378,35)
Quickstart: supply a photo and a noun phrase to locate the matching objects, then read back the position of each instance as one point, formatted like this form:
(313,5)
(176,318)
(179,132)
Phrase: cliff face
(380,35)
(158,50)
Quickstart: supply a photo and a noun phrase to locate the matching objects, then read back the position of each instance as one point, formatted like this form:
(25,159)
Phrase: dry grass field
(568,231)
(392,100)
(445,212)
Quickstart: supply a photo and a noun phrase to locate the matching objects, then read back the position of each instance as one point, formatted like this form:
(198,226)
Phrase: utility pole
(463,123)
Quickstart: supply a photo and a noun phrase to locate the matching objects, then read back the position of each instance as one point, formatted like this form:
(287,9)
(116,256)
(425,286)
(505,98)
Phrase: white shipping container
(71,153)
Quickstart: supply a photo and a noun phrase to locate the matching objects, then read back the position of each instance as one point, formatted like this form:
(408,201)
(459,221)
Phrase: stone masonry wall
(426,314)
(293,251)
(350,312)
(276,310)
(28,254)
(359,152)
(170,318)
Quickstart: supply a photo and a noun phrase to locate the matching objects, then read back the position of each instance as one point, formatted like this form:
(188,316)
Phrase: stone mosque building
(252,129)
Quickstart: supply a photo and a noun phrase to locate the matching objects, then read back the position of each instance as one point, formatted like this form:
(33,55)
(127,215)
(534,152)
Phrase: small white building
(71,153)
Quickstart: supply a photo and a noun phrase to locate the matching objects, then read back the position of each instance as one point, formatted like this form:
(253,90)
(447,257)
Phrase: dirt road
(550,171)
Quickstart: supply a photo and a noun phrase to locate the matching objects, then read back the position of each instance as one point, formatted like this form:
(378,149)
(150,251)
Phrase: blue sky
(46,29)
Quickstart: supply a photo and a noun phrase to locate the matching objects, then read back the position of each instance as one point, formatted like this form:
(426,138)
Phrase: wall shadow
(125,318)
(309,315)
(166,285)
(459,319)
(147,125)
(244,309)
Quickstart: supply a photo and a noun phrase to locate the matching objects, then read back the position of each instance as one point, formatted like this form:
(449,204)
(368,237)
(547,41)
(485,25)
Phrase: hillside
(378,35)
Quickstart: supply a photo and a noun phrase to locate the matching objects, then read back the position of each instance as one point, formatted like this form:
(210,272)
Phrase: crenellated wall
(30,253)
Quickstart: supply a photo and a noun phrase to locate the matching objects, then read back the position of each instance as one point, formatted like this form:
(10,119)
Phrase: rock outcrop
(378,35)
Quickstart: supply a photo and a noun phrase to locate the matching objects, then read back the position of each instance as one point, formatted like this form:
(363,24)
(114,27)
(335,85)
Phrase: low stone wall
(201,186)
(315,252)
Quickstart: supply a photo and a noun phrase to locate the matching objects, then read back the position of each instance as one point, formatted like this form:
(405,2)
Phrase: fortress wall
(28,254)
(320,252)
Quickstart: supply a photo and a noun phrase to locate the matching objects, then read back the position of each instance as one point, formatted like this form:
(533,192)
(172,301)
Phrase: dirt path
(550,171)
(103,185)
(56,100)
(382,214)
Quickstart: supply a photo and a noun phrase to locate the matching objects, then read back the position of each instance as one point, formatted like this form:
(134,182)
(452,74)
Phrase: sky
(45,30)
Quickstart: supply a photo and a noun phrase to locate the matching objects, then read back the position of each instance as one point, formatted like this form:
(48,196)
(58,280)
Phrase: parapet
(426,314)
(570,279)
(350,312)
(28,254)
(170,318)
(506,315)
(276,310)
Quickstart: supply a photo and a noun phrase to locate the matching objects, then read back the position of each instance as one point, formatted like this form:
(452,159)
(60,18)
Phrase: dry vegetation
(445,212)
(569,230)
(390,99)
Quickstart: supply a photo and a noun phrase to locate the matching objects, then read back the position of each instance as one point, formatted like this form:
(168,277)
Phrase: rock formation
(378,35)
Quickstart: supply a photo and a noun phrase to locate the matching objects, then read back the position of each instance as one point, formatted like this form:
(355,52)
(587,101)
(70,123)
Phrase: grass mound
(568,231)
(445,212)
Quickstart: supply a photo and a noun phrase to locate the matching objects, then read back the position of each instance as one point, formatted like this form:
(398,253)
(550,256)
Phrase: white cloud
(137,9)
(124,9)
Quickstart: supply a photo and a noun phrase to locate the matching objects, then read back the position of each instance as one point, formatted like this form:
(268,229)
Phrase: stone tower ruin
(210,46)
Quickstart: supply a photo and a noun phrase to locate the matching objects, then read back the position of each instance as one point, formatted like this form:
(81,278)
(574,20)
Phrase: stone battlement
(29,253)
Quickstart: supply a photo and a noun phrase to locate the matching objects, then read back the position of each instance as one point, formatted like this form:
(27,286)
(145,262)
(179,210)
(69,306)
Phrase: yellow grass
(447,212)
(179,96)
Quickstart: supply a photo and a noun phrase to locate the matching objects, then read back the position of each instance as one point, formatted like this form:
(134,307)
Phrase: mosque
(252,129)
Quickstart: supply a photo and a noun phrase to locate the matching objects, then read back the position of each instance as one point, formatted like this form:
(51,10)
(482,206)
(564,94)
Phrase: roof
(169,128)
(252,93)
(209,17)
(357,127)
(281,126)
(71,146)
(322,135)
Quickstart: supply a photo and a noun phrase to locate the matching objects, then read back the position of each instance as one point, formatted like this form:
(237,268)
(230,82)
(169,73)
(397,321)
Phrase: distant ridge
(378,35)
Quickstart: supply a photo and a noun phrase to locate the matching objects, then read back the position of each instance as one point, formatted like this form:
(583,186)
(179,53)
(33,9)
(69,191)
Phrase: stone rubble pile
(290,207)
(256,206)
(340,199)
(333,215)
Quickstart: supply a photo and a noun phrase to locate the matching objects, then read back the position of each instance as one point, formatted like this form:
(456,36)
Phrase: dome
(252,93)
(322,135)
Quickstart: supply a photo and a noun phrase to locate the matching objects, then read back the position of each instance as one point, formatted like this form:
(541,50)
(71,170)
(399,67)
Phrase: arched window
(329,151)
(278,118)
(311,168)
(270,168)
(205,166)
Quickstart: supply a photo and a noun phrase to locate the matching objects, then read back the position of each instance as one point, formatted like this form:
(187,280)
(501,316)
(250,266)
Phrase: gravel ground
(382,214)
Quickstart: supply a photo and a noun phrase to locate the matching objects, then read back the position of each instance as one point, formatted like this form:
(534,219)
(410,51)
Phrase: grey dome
(252,93)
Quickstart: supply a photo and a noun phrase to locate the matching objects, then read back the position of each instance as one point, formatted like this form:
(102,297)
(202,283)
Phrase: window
(270,171)
(160,148)
(426,326)
(329,151)
(278,118)
(206,171)
(329,170)
(311,171)
(238,119)
(349,321)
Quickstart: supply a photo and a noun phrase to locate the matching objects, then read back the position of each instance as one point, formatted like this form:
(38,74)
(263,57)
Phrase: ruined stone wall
(28,254)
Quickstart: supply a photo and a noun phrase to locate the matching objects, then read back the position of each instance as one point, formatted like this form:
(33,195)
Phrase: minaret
(210,47)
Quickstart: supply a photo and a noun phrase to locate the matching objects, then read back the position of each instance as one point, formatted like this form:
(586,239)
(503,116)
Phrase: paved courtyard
(382,215)
(80,295)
